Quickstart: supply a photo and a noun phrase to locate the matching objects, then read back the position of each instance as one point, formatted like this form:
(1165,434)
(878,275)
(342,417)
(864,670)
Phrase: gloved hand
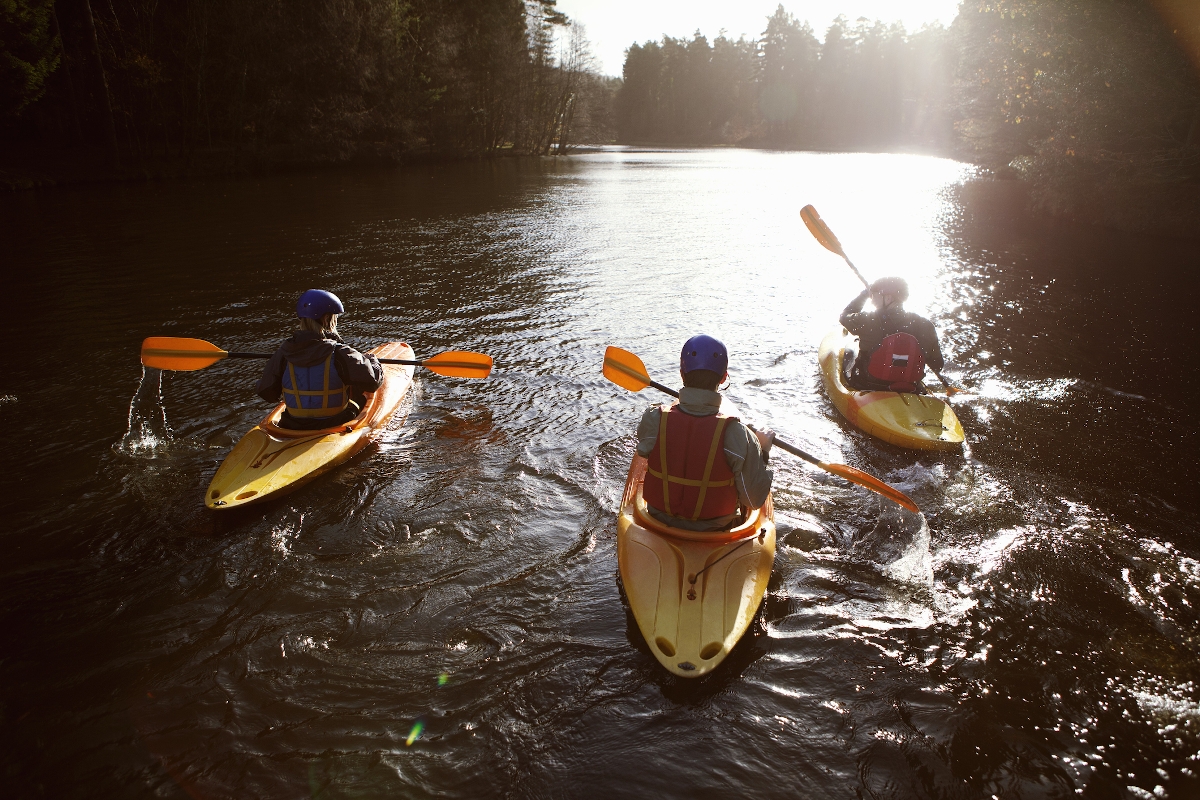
(766,438)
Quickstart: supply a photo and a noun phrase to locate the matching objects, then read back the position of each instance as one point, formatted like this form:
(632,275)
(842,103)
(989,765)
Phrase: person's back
(889,318)
(322,380)
(702,465)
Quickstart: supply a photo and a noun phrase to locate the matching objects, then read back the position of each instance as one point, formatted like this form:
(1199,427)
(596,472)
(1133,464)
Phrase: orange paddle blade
(820,231)
(625,369)
(460,364)
(171,352)
(871,482)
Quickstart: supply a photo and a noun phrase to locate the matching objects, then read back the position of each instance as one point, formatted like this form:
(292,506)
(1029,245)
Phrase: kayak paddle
(185,355)
(821,232)
(626,370)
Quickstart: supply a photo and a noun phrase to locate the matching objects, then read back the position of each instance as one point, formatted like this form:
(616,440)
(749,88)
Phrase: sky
(613,25)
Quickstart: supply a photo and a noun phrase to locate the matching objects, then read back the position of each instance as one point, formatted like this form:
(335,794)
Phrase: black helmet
(895,286)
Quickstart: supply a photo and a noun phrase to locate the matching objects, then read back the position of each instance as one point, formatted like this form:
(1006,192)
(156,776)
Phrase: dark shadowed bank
(137,88)
(1093,104)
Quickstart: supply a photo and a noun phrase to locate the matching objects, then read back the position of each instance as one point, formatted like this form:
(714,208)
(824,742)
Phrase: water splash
(148,433)
(898,545)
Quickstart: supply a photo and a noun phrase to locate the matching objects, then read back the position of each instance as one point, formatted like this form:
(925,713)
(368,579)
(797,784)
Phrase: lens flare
(443,679)
(414,733)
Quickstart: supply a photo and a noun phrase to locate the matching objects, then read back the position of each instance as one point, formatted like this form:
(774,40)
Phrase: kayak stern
(915,421)
(693,594)
(269,460)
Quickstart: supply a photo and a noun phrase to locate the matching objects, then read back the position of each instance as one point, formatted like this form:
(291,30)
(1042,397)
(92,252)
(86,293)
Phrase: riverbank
(29,166)
(1163,211)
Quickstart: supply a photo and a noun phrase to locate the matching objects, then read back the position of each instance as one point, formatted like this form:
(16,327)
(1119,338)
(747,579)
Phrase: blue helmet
(704,352)
(316,303)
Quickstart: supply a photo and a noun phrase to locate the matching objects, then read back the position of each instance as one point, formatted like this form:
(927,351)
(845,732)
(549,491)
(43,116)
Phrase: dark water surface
(456,584)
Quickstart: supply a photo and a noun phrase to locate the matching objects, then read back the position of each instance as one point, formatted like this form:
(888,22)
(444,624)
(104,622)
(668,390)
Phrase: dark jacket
(872,327)
(363,373)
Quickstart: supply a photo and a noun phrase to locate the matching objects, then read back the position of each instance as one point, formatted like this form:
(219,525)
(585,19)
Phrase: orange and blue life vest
(687,475)
(314,392)
(899,362)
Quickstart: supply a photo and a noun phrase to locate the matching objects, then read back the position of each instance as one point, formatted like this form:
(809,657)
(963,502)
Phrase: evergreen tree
(1094,101)
(29,53)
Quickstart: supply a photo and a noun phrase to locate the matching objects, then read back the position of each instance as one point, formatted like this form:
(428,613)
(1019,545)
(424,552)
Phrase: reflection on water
(441,616)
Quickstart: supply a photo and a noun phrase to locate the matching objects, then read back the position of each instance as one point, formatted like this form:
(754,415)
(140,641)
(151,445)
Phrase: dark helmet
(704,352)
(895,286)
(316,303)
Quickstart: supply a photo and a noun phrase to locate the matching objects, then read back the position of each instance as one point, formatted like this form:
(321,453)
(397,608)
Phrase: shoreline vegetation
(1093,106)
(142,89)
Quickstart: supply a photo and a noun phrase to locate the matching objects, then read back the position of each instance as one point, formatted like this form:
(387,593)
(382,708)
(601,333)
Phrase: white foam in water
(899,546)
(915,564)
(148,430)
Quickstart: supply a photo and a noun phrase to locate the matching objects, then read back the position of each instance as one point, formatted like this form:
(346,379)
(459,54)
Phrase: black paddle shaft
(381,361)
(796,451)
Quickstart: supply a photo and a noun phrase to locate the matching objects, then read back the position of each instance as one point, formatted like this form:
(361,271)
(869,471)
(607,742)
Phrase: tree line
(867,85)
(297,80)
(1095,103)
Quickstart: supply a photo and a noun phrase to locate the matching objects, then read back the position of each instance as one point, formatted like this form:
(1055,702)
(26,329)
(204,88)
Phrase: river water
(442,617)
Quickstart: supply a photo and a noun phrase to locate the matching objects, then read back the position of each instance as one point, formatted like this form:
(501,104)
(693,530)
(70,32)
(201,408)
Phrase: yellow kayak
(919,421)
(693,594)
(270,461)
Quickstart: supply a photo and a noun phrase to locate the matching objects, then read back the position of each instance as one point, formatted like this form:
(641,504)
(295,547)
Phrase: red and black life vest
(899,362)
(687,475)
(314,392)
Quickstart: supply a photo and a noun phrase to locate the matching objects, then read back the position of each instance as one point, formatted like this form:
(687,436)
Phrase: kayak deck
(270,460)
(693,594)
(917,421)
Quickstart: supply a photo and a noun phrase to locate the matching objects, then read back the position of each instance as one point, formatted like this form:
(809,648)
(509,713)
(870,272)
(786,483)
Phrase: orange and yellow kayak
(270,461)
(693,594)
(918,421)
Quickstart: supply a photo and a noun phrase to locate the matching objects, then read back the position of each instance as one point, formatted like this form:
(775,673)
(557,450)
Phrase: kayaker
(877,328)
(322,381)
(713,463)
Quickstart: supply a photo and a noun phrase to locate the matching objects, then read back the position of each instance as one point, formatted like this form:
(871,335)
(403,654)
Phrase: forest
(1094,103)
(226,83)
(868,85)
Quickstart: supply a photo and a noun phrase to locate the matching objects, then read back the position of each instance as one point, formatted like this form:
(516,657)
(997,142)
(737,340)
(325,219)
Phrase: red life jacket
(899,362)
(687,475)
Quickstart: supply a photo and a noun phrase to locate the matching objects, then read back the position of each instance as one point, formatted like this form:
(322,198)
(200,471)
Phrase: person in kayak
(322,381)
(876,331)
(703,464)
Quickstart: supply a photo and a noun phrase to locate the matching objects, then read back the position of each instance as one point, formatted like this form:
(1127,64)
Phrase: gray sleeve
(270,385)
(751,475)
(647,430)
